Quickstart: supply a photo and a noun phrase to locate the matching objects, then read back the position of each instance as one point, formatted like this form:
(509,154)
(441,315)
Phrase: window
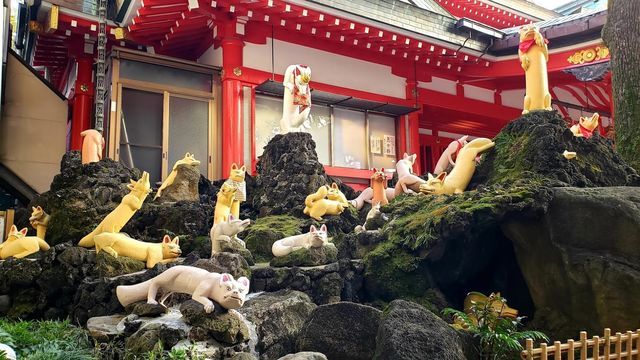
(349,139)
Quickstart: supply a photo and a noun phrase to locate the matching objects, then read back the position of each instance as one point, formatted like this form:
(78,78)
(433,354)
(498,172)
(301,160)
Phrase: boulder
(104,328)
(277,318)
(408,331)
(230,263)
(225,326)
(109,266)
(308,257)
(262,233)
(184,186)
(532,146)
(288,171)
(144,309)
(585,251)
(342,330)
(304,355)
(168,329)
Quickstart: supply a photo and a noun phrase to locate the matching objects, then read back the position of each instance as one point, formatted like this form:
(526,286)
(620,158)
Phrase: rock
(168,329)
(583,250)
(532,146)
(236,248)
(184,186)
(243,356)
(277,318)
(102,328)
(142,308)
(109,266)
(408,331)
(308,257)
(325,284)
(305,355)
(288,171)
(226,327)
(358,245)
(262,233)
(233,264)
(341,331)
(5,303)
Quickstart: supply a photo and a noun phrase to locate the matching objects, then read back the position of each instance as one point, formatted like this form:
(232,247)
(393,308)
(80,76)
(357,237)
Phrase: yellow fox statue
(586,126)
(152,253)
(334,193)
(534,55)
(19,245)
(316,205)
(236,179)
(39,220)
(117,219)
(226,197)
(188,160)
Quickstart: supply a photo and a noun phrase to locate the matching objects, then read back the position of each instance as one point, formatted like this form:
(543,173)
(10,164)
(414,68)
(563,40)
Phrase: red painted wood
(83,101)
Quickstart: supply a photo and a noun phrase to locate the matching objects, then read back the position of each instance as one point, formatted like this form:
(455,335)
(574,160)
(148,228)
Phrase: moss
(308,257)
(109,266)
(262,233)
(511,149)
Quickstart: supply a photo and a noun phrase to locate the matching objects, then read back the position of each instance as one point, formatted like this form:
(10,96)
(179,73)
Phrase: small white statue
(297,97)
(203,286)
(227,232)
(314,238)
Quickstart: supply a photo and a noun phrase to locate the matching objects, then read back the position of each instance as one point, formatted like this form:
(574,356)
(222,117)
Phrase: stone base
(308,257)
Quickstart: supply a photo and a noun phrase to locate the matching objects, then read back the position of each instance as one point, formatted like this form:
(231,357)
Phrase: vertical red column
(232,134)
(82,101)
(413,146)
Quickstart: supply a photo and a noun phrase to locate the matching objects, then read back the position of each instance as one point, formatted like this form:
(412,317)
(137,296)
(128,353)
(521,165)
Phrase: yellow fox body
(226,196)
(533,54)
(19,245)
(188,160)
(116,220)
(152,253)
(460,176)
(39,220)
(236,179)
(334,193)
(316,205)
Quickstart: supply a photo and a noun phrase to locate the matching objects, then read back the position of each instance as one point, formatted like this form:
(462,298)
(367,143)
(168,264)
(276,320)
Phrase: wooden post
(571,352)
(543,353)
(607,343)
(630,345)
(596,347)
(583,345)
(557,355)
(638,343)
(618,345)
(529,349)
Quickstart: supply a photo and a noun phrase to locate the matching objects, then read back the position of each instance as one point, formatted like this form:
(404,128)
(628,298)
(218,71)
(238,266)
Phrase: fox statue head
(434,185)
(237,173)
(231,293)
(379,176)
(141,187)
(170,248)
(188,159)
(318,236)
(590,123)
(227,193)
(528,32)
(15,235)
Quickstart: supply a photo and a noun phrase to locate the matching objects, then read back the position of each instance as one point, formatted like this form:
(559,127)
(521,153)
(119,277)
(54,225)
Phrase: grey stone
(304,355)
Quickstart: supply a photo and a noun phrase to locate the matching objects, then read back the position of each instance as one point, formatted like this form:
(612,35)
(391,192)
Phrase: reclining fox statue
(317,205)
(458,180)
(19,245)
(314,238)
(586,126)
(117,219)
(119,244)
(203,286)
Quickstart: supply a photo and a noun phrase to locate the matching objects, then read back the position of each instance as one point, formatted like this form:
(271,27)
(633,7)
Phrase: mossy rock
(109,266)
(201,245)
(308,257)
(262,233)
(225,326)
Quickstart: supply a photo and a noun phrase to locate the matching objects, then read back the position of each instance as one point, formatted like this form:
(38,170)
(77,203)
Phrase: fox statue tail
(308,202)
(43,245)
(88,241)
(128,294)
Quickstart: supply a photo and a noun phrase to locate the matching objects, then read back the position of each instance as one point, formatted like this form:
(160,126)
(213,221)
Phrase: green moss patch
(261,234)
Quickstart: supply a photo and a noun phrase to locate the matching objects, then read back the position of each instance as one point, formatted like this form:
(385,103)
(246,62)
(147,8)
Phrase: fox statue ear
(226,278)
(176,240)
(234,166)
(382,170)
(323,228)
(187,155)
(13,229)
(405,156)
(231,217)
(375,170)
(429,176)
(313,229)
(243,168)
(244,282)
(24,231)
(441,176)
(464,138)
(166,239)
(334,185)
(33,208)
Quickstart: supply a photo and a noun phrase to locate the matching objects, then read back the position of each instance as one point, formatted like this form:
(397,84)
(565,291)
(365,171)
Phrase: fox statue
(202,285)
(19,245)
(534,55)
(227,232)
(119,244)
(458,180)
(586,126)
(236,180)
(117,219)
(39,220)
(314,238)
(408,182)
(92,145)
(188,160)
(334,193)
(225,198)
(316,204)
(296,104)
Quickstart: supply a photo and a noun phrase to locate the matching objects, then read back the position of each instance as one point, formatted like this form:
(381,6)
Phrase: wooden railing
(618,346)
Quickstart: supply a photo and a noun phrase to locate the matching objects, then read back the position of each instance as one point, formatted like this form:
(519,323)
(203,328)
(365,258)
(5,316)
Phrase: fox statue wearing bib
(296,103)
(534,55)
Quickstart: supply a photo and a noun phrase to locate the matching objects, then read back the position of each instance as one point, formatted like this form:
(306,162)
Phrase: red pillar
(82,101)
(232,139)
(413,146)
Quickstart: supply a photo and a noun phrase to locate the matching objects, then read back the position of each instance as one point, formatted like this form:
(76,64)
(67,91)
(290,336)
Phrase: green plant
(498,335)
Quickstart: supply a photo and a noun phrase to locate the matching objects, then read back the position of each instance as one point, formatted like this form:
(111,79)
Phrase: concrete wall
(32,128)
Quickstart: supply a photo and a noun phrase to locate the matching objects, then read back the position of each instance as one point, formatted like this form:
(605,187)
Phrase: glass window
(380,128)
(349,139)
(318,124)
(188,131)
(136,70)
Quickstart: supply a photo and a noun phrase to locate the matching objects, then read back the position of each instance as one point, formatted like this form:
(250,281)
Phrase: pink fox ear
(234,166)
(375,170)
(312,229)
(382,170)
(244,281)
(334,185)
(14,229)
(441,176)
(323,228)
(166,239)
(405,156)
(243,168)
(226,278)
(24,231)
(231,217)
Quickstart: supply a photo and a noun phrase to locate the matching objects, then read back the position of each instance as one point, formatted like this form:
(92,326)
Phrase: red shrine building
(204,76)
